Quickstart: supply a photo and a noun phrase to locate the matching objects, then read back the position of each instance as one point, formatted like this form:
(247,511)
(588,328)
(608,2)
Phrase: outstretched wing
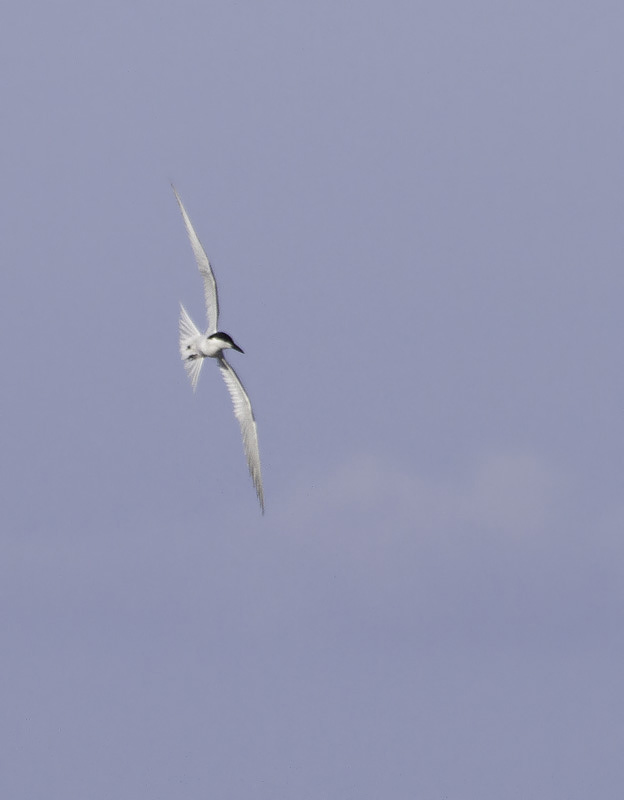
(210,285)
(244,414)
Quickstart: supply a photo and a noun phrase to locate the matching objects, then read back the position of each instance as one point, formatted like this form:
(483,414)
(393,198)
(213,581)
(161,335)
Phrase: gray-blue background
(414,211)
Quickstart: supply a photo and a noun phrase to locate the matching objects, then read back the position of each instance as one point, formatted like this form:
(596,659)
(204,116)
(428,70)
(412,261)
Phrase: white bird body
(209,348)
(196,346)
(201,345)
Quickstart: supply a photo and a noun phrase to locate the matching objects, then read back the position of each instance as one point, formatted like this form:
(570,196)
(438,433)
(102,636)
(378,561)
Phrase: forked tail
(188,350)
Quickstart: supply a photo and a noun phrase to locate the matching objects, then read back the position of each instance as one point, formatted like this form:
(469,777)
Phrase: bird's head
(226,341)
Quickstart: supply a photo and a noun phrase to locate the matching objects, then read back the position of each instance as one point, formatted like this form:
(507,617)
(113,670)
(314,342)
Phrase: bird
(195,347)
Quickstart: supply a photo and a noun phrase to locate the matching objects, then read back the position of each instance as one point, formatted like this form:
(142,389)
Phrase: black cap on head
(225,337)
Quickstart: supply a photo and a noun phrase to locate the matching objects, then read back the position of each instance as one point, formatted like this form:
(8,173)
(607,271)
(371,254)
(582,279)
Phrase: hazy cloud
(507,493)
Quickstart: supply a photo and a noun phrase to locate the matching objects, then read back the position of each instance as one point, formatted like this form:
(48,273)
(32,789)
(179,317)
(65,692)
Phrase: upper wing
(210,285)
(244,414)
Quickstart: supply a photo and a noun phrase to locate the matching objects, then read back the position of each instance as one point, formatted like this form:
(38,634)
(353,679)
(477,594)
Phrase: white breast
(210,347)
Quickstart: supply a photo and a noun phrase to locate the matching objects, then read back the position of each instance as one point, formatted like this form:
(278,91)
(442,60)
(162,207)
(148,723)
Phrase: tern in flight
(196,346)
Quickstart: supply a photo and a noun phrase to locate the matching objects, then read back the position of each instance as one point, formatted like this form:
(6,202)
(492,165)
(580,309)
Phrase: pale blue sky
(414,212)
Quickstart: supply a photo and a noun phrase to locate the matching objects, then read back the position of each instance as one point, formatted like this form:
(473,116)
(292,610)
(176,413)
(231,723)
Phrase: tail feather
(188,329)
(192,360)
